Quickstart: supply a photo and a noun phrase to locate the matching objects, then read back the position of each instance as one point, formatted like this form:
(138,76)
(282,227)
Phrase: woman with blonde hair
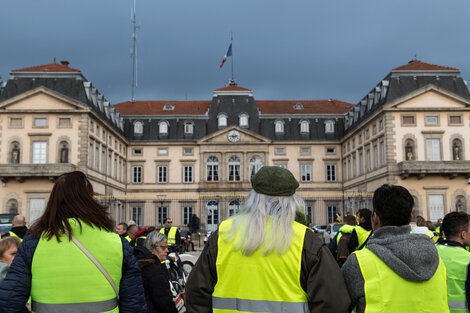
(73,261)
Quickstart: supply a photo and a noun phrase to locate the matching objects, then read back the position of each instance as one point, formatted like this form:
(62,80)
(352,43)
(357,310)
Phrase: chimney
(65,62)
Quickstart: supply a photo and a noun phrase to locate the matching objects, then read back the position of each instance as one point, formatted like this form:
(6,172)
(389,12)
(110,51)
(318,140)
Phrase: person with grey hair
(262,260)
(18,227)
(155,277)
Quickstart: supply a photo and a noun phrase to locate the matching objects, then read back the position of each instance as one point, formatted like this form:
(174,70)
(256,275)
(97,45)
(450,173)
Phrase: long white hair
(250,224)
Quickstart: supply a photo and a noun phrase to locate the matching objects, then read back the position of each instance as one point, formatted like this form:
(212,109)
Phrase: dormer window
(279,127)
(163,128)
(329,127)
(304,126)
(298,106)
(138,128)
(168,107)
(188,128)
(243,120)
(222,120)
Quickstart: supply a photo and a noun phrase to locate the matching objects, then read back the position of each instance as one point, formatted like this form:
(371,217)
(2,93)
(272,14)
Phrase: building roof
(309,106)
(158,107)
(416,65)
(233,88)
(49,68)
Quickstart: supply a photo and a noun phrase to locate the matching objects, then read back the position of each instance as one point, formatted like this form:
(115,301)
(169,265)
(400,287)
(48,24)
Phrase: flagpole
(231,43)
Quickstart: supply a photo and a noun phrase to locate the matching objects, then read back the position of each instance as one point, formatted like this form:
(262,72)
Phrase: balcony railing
(421,169)
(23,171)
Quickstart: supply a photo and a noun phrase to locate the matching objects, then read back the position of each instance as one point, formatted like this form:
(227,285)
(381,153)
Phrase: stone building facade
(149,160)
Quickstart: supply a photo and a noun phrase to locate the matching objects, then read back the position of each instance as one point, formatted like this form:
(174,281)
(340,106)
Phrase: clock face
(233,136)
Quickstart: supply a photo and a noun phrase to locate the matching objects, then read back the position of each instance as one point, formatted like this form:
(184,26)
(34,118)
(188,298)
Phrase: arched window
(255,164)
(457,150)
(138,128)
(233,207)
(279,127)
(234,168)
(64,152)
(304,126)
(329,127)
(163,128)
(12,206)
(409,150)
(188,128)
(460,204)
(212,166)
(15,152)
(222,120)
(243,120)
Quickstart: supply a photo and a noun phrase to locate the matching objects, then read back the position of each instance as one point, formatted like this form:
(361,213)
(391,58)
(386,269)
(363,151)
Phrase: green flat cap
(274,181)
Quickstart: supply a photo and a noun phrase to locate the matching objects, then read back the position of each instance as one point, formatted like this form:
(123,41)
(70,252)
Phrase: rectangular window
(103,160)
(40,122)
(64,122)
(137,151)
(97,157)
(408,120)
(188,173)
(309,213)
(188,151)
(281,165)
(36,209)
(331,172)
(108,170)
(349,168)
(115,164)
(455,120)
(376,157)
(162,151)
(188,128)
(136,215)
(368,163)
(187,212)
(306,172)
(354,165)
(233,172)
(162,172)
(305,151)
(280,151)
(436,207)
(361,163)
(331,211)
(382,153)
(16,122)
(433,149)
(162,214)
(432,120)
(137,174)
(90,155)
(330,150)
(381,124)
(39,152)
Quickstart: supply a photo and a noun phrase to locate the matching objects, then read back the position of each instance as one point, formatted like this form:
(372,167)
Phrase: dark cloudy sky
(291,49)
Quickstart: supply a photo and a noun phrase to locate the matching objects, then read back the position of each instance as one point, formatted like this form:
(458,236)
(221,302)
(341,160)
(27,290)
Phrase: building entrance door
(212,208)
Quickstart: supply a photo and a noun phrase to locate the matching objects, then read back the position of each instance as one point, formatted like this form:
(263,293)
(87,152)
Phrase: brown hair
(71,197)
(420,221)
(6,244)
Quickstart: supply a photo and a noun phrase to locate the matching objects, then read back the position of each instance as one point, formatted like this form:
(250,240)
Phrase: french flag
(228,54)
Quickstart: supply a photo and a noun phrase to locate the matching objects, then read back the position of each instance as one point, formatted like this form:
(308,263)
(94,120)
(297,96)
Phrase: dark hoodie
(412,256)
(20,231)
(156,282)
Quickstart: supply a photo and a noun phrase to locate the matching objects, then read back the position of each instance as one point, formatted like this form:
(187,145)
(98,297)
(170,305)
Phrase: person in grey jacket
(413,257)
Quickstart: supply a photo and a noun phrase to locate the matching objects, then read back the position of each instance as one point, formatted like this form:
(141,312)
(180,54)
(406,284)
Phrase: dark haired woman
(60,275)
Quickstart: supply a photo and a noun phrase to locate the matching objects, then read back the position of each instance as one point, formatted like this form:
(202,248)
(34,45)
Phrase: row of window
(233,171)
(163,126)
(106,161)
(40,122)
(101,133)
(432,120)
(39,152)
(433,150)
(371,161)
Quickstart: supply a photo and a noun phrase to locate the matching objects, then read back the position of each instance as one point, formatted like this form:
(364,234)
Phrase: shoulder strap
(98,265)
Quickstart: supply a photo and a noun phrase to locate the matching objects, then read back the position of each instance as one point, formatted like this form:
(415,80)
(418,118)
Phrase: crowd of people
(74,258)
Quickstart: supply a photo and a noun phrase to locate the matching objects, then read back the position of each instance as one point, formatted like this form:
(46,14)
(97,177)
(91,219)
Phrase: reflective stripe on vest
(362,235)
(386,292)
(456,260)
(239,277)
(345,229)
(12,234)
(171,235)
(74,278)
(82,307)
(257,305)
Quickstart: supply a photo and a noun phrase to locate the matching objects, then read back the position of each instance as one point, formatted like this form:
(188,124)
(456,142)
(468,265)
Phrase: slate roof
(417,65)
(309,106)
(50,68)
(157,107)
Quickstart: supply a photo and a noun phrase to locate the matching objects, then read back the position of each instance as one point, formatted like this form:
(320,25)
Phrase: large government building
(149,160)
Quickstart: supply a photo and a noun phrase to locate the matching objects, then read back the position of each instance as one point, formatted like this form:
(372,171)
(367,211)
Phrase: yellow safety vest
(128,238)
(259,283)
(386,291)
(362,235)
(12,234)
(345,229)
(456,260)
(64,279)
(171,235)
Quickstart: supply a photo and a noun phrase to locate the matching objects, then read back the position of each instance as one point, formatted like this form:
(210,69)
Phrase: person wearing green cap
(261,260)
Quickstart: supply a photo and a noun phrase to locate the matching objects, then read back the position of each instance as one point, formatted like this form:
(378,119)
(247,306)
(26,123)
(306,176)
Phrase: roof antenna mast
(135,27)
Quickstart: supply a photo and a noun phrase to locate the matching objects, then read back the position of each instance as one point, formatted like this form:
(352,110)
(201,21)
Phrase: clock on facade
(233,136)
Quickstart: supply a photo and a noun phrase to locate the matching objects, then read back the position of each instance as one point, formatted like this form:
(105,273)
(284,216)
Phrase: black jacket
(20,231)
(156,282)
